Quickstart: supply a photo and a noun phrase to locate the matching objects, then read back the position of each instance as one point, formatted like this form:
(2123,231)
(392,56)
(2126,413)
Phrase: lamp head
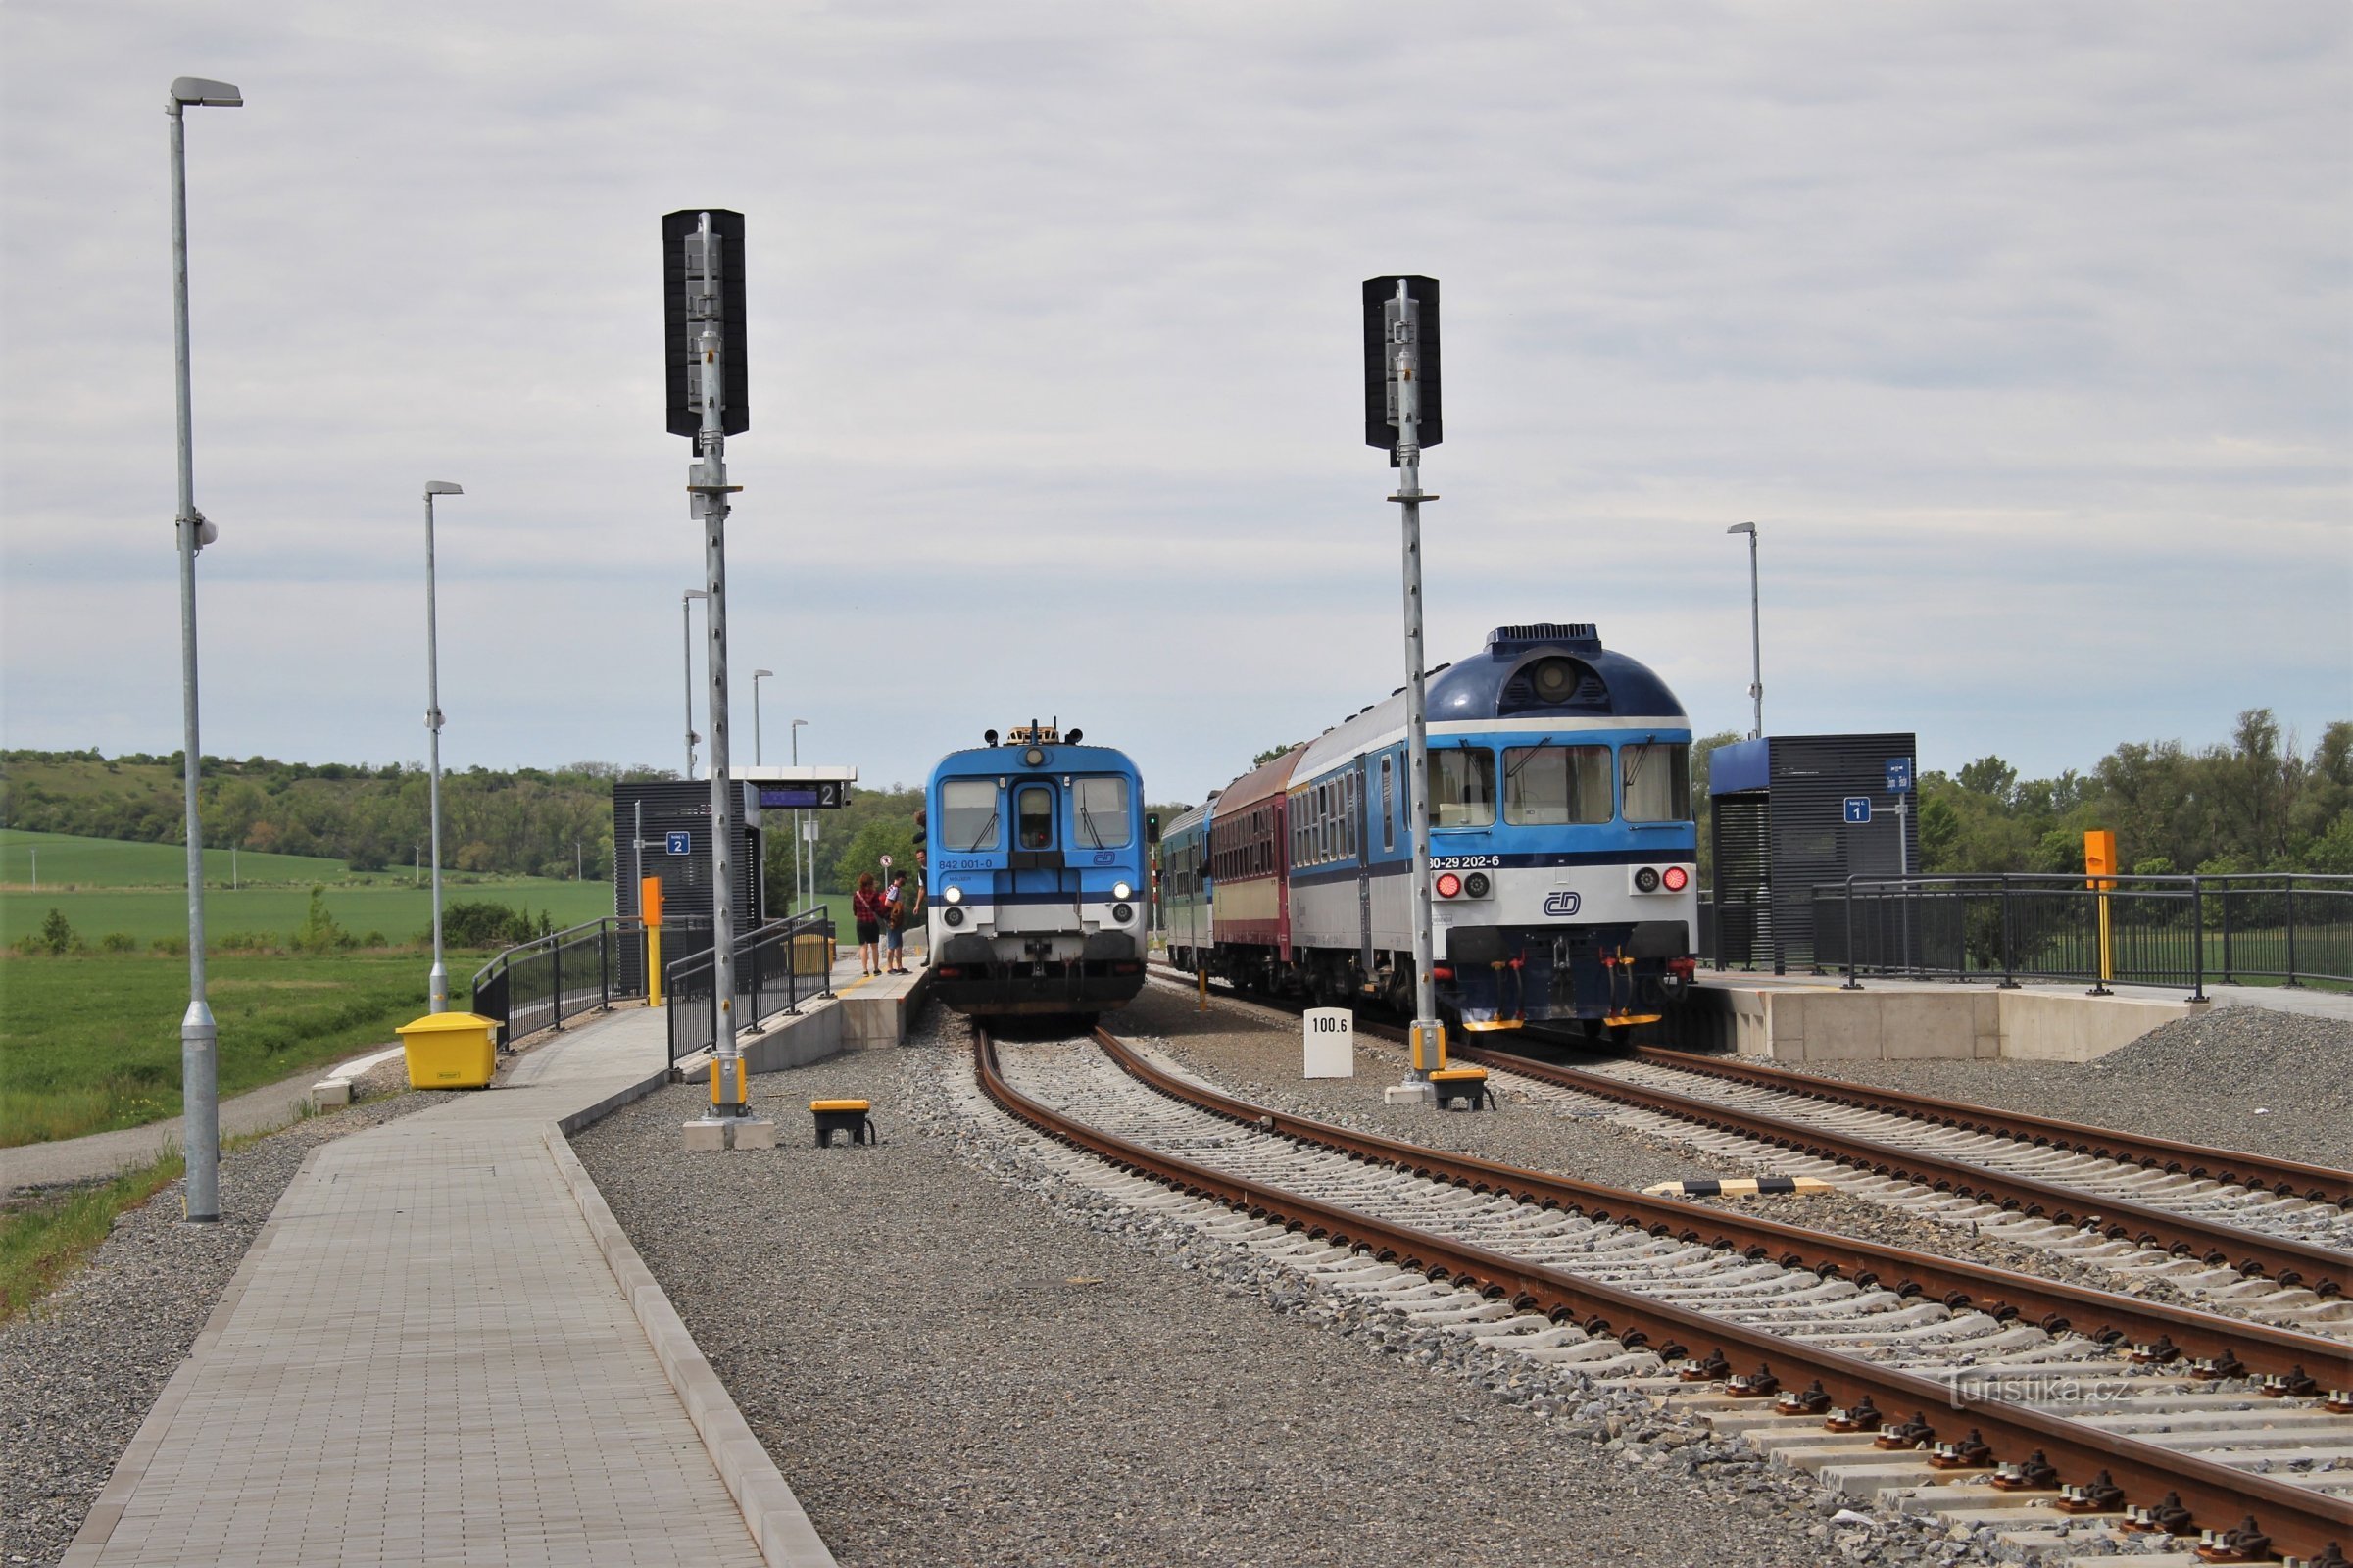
(205,94)
(694,593)
(443,487)
(757,674)
(1749,528)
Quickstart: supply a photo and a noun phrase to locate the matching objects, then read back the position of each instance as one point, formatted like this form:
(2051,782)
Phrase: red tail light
(1449,884)
(948,971)
(1442,971)
(1675,878)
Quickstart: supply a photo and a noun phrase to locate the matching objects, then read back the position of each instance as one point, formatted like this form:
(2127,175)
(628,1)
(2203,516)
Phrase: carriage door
(1035,863)
(1360,842)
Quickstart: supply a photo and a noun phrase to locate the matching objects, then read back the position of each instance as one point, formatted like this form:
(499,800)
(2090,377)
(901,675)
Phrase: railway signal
(709,399)
(1402,414)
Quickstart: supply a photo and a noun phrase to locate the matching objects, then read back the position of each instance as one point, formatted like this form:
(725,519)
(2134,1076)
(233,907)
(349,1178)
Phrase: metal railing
(2169,931)
(776,967)
(544,983)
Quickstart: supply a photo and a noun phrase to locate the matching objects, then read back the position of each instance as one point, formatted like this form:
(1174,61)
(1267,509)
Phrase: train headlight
(1120,890)
(952,915)
(952,894)
(1477,885)
(1554,680)
(1122,913)
(1645,879)
(1035,756)
(1449,884)
(1675,879)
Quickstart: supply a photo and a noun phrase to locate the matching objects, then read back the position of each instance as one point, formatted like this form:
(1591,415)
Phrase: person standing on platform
(865,907)
(897,904)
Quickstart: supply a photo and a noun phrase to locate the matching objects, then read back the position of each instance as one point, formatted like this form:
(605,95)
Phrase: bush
(118,942)
(481,923)
(55,939)
(320,931)
(374,939)
(177,947)
(240,942)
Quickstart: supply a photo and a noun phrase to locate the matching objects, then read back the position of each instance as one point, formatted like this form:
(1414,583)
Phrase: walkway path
(426,1358)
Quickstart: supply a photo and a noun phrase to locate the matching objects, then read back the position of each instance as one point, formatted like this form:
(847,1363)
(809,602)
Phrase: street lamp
(437,984)
(1756,642)
(757,676)
(801,860)
(686,643)
(198,1035)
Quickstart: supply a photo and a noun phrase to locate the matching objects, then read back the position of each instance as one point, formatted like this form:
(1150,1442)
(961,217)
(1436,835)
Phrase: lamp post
(198,1035)
(437,983)
(686,644)
(757,676)
(801,831)
(1756,638)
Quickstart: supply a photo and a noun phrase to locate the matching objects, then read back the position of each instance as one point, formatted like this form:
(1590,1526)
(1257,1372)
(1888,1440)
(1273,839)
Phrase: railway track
(1632,1287)
(2283,1279)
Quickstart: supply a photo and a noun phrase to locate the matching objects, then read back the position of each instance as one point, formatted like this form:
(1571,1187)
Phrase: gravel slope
(950,1370)
(81,1371)
(2249,1078)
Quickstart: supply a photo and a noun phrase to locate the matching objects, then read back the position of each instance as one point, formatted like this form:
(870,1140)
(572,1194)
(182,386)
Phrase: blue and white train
(1563,852)
(1035,869)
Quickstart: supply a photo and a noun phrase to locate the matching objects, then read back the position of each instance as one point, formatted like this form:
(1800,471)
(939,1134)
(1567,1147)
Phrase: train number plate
(1465,862)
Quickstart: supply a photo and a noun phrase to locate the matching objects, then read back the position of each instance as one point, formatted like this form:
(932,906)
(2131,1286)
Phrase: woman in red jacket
(865,907)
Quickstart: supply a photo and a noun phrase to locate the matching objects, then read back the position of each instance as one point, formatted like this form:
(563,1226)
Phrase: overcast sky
(2024,332)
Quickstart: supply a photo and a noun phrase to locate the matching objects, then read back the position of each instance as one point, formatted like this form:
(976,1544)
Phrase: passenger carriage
(1036,873)
(1564,874)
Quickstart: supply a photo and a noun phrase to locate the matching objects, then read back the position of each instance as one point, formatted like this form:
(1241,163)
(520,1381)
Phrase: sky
(2023,331)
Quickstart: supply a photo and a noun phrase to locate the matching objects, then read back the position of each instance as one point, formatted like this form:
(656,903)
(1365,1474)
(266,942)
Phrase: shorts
(894,941)
(867,932)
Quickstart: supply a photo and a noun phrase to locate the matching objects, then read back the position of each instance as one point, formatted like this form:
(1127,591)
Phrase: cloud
(2021,330)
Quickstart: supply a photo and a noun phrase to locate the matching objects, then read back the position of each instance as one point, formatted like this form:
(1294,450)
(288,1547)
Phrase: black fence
(776,967)
(545,984)
(2170,931)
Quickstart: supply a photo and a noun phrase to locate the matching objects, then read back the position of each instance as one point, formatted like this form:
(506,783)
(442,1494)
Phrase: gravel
(2246,1078)
(79,1372)
(957,1355)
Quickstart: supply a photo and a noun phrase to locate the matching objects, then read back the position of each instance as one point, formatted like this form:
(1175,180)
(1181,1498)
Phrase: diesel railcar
(1563,852)
(1036,869)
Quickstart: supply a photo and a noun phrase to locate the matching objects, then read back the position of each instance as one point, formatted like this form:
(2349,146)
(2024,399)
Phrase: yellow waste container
(451,1051)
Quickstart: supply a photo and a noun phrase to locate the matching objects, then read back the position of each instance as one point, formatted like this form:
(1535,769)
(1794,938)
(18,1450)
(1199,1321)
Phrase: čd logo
(1561,903)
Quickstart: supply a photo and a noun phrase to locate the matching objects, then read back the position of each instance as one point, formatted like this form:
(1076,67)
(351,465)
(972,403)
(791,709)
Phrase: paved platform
(428,1357)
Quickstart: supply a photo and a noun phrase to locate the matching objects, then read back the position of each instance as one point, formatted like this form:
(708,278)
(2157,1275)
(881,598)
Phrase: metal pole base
(437,988)
(1413,1092)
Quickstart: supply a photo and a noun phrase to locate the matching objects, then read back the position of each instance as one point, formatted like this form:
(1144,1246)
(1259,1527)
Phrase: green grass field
(89,1044)
(141,890)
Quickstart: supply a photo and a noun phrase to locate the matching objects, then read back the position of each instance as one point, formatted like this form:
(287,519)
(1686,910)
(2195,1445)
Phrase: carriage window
(1389,815)
(1547,786)
(1098,811)
(1657,782)
(1462,787)
(1348,848)
(1033,812)
(968,814)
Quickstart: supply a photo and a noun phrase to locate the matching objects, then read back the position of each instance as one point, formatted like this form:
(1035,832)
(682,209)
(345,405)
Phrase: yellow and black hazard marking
(1738,1187)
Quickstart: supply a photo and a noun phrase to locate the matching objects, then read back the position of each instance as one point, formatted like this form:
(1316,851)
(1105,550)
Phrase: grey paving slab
(427,1358)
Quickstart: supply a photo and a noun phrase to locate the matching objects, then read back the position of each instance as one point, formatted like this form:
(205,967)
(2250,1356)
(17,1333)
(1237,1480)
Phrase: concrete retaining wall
(1884,1023)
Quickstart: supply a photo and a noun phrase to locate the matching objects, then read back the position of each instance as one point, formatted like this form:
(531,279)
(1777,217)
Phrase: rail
(773,970)
(2170,931)
(2300,1521)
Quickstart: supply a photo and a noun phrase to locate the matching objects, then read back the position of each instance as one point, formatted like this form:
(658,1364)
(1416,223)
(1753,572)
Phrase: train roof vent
(1582,636)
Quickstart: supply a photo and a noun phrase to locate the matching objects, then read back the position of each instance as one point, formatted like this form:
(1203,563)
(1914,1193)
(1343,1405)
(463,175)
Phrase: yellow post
(2099,872)
(1436,1038)
(1200,977)
(648,908)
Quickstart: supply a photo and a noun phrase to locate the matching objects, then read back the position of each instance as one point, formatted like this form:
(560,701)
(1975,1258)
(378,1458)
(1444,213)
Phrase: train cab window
(1550,786)
(1389,815)
(1098,813)
(1462,787)
(968,814)
(1656,780)
(1033,815)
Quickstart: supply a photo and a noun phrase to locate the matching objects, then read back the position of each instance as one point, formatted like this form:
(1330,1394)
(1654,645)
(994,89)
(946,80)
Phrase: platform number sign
(678,843)
(1858,809)
(1900,774)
